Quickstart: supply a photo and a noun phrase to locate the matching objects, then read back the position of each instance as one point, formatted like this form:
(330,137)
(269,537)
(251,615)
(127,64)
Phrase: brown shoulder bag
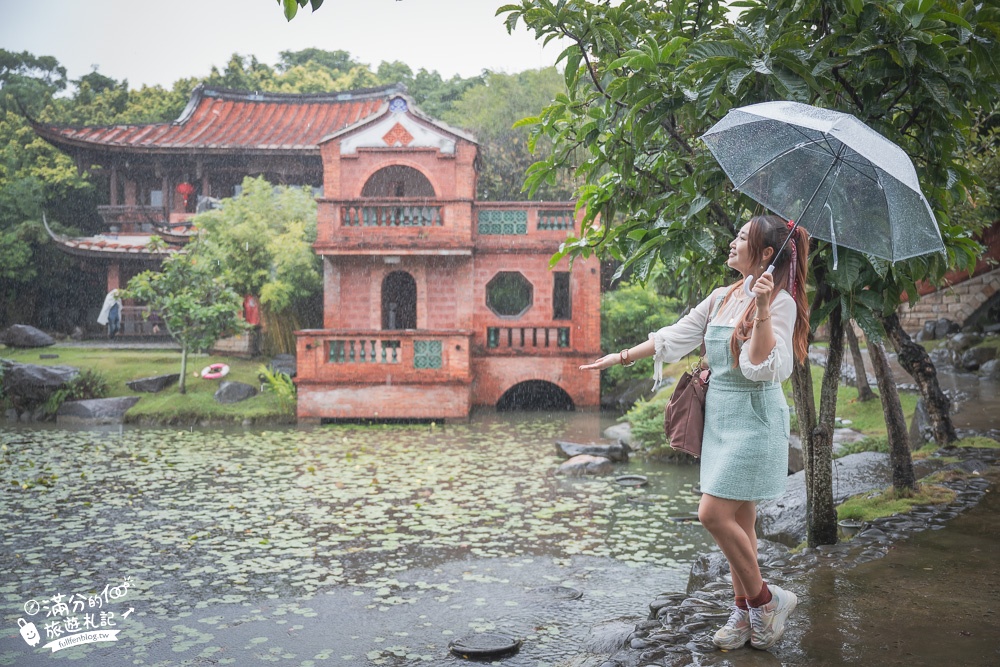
(684,416)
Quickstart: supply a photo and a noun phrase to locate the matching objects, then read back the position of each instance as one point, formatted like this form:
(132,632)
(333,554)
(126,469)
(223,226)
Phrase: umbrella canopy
(829,172)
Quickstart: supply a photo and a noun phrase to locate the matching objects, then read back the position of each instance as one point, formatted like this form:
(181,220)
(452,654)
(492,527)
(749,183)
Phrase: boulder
(283,363)
(154,383)
(942,357)
(977,356)
(784,519)
(621,432)
(928,332)
(990,370)
(625,395)
(22,335)
(30,384)
(963,341)
(921,431)
(585,465)
(796,461)
(95,411)
(944,327)
(234,392)
(615,452)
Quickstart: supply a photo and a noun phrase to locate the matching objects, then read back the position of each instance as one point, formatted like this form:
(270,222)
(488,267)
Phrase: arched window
(398,181)
(399,301)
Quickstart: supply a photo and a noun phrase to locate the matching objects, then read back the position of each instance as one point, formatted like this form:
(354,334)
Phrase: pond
(338,545)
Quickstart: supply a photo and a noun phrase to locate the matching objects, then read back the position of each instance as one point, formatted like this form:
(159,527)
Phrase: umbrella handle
(748,283)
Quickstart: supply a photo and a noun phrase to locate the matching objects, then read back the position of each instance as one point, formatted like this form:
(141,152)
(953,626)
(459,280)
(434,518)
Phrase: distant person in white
(111,313)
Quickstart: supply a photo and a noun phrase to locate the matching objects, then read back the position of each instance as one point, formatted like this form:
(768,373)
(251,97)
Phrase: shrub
(628,314)
(873,443)
(646,418)
(281,385)
(87,385)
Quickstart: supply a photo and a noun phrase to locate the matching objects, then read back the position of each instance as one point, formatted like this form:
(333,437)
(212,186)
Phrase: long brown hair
(769,231)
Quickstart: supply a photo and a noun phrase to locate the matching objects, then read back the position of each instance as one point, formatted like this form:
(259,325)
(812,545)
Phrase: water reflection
(424,530)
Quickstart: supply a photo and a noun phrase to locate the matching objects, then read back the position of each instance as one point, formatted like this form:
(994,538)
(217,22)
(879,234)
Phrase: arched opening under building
(399,301)
(398,181)
(535,395)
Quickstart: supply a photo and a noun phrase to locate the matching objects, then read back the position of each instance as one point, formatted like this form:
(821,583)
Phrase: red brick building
(433,301)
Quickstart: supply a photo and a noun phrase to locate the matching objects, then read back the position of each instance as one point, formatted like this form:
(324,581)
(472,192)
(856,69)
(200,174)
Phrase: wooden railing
(136,323)
(132,218)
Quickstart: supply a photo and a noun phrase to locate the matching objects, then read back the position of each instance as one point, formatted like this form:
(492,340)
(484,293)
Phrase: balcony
(355,357)
(526,339)
(437,226)
(132,219)
(394,226)
(513,226)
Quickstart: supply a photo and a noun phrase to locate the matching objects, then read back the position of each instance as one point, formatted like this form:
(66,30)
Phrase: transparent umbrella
(830,173)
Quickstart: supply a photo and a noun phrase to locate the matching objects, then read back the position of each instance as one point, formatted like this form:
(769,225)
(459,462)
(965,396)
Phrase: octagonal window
(509,294)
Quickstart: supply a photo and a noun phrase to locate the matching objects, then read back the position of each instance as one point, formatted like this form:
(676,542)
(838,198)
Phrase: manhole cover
(483,645)
(632,480)
(560,592)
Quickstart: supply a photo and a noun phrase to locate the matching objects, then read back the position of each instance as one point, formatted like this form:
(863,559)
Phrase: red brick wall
(495,375)
(443,401)
(451,296)
(585,288)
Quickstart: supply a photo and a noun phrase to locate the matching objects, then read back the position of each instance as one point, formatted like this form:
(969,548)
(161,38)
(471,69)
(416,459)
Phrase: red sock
(761,598)
(741,602)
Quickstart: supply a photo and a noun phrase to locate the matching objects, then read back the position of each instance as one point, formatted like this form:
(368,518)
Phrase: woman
(750,343)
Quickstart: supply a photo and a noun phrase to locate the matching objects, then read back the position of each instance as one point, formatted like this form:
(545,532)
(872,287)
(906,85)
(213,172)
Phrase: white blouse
(673,342)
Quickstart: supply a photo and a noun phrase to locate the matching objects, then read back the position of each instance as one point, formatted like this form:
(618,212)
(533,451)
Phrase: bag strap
(711,313)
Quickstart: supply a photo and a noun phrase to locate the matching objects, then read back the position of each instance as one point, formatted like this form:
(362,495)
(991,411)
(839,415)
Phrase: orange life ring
(214,371)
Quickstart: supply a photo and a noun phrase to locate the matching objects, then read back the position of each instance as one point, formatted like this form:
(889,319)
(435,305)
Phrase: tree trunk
(895,423)
(805,413)
(914,358)
(184,366)
(865,392)
(822,519)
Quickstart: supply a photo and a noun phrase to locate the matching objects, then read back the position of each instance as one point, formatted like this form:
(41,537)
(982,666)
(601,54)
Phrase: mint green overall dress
(744,454)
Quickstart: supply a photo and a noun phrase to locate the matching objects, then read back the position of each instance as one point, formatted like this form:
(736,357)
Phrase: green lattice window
(503,222)
(427,354)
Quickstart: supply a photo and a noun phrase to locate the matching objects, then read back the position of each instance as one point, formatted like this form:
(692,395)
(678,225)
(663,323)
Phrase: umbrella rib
(772,160)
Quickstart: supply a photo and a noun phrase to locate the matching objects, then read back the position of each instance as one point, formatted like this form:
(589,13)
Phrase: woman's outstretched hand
(607,361)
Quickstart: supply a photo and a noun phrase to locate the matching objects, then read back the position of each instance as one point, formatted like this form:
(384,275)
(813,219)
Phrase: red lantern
(185,190)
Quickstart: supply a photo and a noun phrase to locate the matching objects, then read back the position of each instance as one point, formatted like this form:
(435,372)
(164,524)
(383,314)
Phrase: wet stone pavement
(915,589)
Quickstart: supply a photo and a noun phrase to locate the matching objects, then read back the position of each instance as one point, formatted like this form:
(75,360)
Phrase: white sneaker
(736,632)
(767,622)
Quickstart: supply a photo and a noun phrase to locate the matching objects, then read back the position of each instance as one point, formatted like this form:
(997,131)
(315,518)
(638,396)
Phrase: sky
(156,42)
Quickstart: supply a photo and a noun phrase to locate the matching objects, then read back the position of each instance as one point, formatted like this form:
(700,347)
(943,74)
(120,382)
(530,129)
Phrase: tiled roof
(227,120)
(135,246)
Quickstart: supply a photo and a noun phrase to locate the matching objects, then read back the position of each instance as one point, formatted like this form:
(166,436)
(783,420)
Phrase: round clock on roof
(397,105)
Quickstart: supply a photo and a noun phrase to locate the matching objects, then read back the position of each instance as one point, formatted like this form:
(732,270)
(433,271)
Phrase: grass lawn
(868,418)
(169,406)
